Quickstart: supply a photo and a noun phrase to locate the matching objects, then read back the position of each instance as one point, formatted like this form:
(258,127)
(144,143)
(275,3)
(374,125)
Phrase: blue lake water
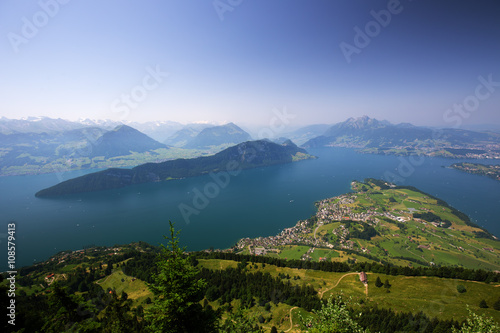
(256,202)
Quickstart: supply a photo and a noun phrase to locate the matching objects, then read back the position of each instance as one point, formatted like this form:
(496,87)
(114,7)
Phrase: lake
(256,202)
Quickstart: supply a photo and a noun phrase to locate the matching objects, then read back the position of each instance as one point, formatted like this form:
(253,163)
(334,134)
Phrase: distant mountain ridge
(124,140)
(19,149)
(157,130)
(228,134)
(42,145)
(48,151)
(304,134)
(365,132)
(184,135)
(250,154)
(37,125)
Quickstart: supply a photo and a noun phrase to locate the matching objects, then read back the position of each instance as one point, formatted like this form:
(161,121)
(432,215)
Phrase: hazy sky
(242,60)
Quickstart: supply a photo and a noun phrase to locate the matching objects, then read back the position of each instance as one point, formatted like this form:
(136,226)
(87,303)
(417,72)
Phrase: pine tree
(109,268)
(378,282)
(240,322)
(478,324)
(63,310)
(178,292)
(496,305)
(118,316)
(483,304)
(334,316)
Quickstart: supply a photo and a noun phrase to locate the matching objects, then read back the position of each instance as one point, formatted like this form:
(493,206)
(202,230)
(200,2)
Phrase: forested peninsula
(246,155)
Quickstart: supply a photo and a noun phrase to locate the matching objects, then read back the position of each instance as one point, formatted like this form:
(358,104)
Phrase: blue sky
(238,60)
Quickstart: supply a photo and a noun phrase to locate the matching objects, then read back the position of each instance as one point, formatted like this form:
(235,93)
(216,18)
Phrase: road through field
(343,276)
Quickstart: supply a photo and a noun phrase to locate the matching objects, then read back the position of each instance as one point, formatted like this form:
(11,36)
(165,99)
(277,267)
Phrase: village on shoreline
(380,223)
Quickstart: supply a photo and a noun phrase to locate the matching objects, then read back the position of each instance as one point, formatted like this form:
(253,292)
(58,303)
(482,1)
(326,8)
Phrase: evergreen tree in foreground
(178,292)
(496,305)
(240,322)
(483,304)
(333,317)
(478,324)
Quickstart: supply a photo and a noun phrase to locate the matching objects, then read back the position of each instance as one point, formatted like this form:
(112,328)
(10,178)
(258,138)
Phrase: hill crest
(246,155)
(218,135)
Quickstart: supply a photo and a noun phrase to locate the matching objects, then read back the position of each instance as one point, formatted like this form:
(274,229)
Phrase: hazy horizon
(422,62)
(289,126)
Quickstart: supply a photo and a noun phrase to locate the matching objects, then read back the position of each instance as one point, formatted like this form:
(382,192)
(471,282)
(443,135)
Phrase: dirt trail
(291,322)
(343,276)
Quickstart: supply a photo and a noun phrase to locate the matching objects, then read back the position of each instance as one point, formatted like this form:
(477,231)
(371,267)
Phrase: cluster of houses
(294,235)
(339,208)
(329,210)
(342,208)
(79,254)
(342,232)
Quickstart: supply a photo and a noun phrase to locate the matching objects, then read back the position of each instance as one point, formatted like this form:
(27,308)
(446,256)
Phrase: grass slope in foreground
(384,223)
(246,155)
(91,274)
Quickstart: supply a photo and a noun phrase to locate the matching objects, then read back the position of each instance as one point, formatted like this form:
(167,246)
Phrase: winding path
(291,323)
(343,276)
(321,296)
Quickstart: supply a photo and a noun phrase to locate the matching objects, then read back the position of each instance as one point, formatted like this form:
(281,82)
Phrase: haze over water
(257,202)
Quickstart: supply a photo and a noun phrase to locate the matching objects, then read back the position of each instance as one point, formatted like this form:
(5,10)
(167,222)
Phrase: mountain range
(122,141)
(19,149)
(37,125)
(365,132)
(41,144)
(228,134)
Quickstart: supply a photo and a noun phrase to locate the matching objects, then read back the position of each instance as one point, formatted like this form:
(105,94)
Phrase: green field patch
(324,253)
(69,268)
(436,297)
(326,229)
(433,296)
(216,264)
(293,251)
(136,289)
(415,205)
(410,193)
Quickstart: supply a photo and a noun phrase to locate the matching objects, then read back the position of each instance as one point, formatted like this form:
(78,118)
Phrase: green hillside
(383,258)
(246,155)
(385,223)
(103,278)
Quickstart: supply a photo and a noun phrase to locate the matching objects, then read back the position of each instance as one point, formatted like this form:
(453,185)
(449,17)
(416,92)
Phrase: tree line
(461,273)
(182,293)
